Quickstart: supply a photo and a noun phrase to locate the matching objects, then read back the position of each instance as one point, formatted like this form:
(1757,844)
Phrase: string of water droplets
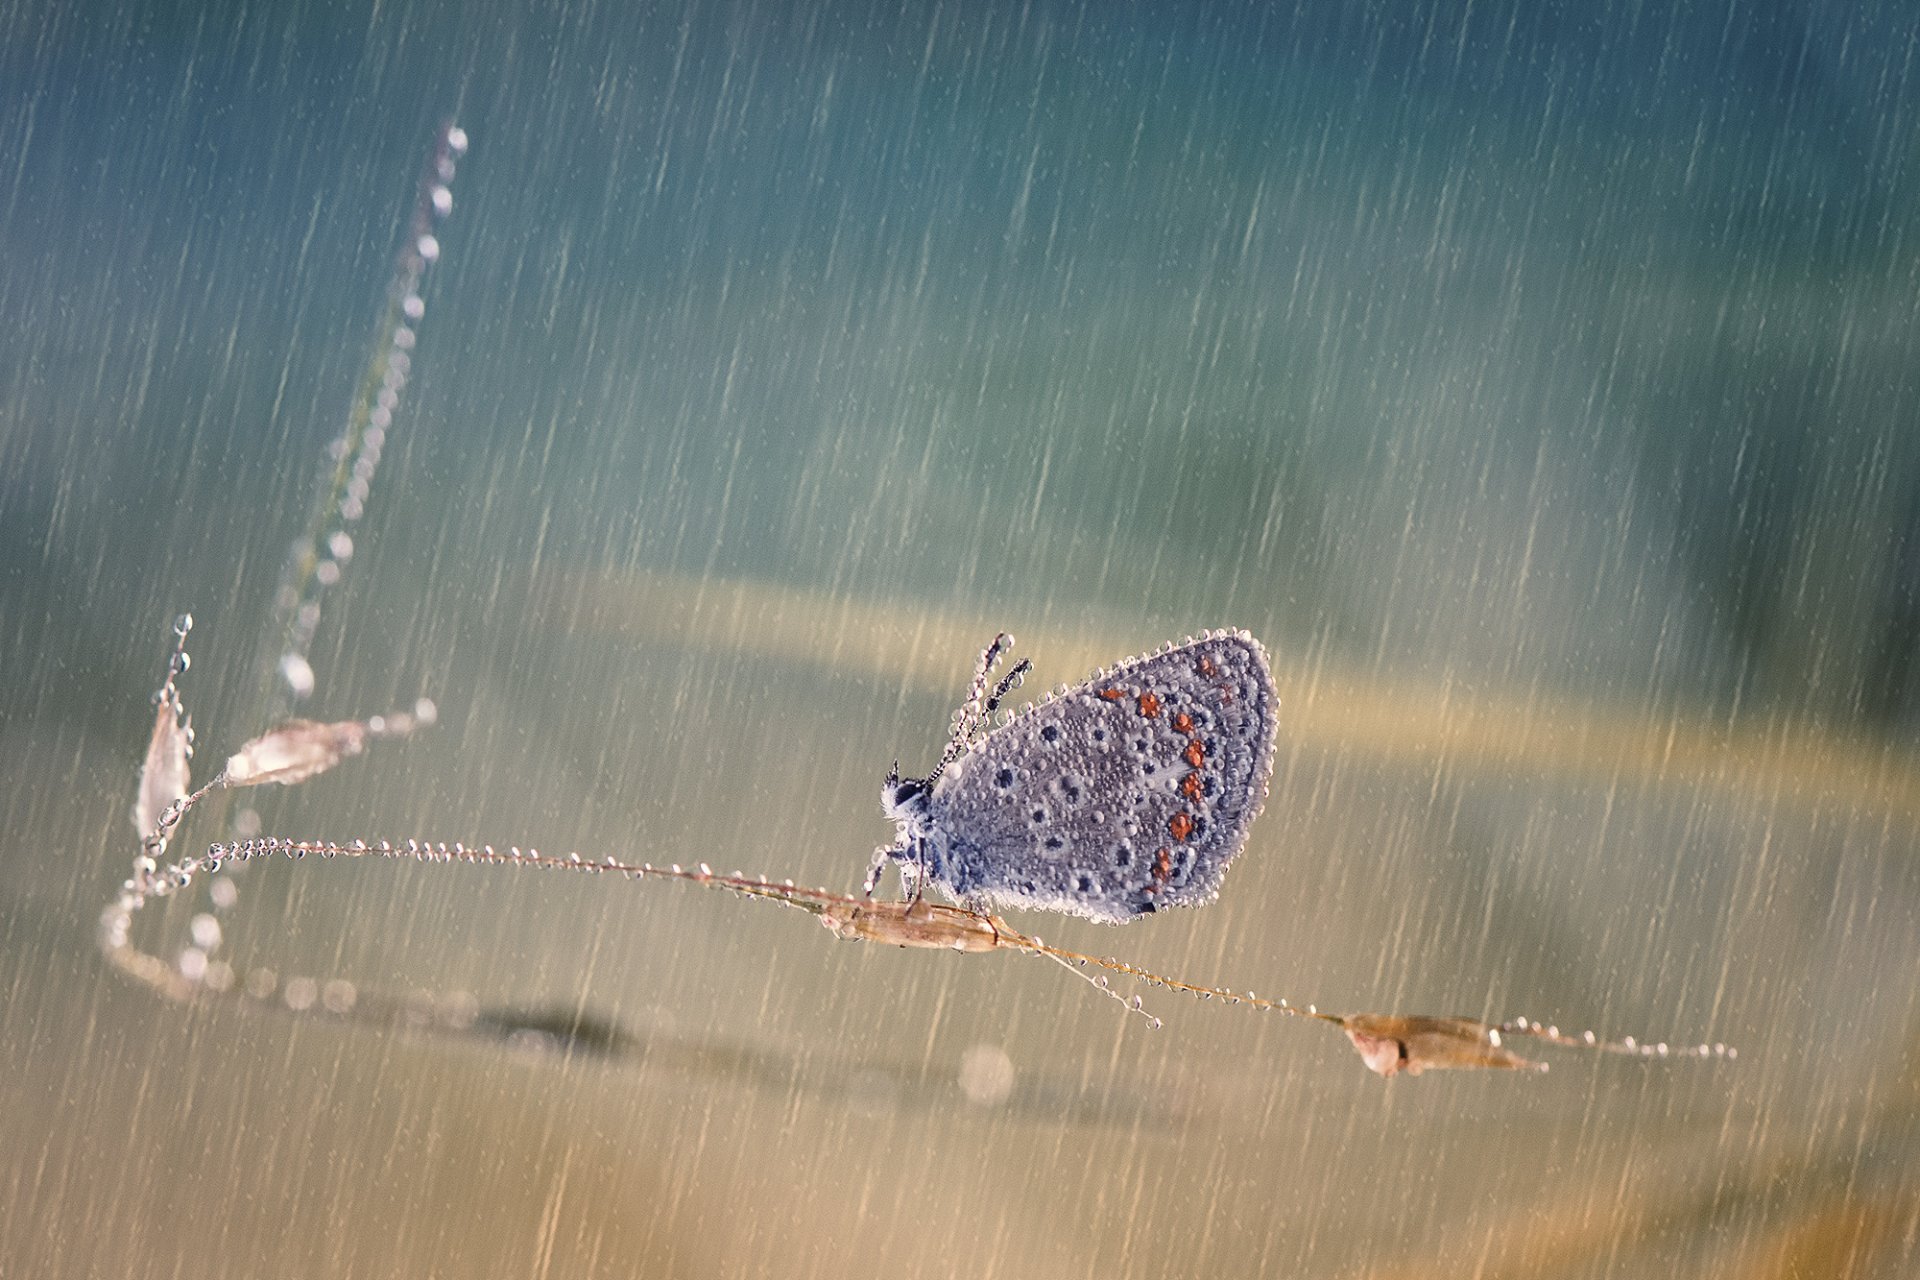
(320,555)
(318,558)
(1389,1044)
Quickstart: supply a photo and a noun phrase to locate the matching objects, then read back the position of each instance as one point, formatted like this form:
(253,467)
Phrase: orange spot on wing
(1183,722)
(1162,870)
(1190,786)
(1181,827)
(1149,705)
(1207,667)
(1112,695)
(1195,754)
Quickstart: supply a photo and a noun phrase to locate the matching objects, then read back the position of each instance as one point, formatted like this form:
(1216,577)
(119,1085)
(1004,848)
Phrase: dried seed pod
(163,775)
(1392,1043)
(294,752)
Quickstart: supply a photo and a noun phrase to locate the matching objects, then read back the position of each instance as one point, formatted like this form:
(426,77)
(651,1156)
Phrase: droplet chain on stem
(930,925)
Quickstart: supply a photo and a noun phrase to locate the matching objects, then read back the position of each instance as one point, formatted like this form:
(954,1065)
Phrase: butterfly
(1119,797)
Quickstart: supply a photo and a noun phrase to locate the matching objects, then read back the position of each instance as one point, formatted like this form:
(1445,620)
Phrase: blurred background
(1537,381)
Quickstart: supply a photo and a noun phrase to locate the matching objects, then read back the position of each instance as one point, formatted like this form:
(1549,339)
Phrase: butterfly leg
(911,855)
(881,856)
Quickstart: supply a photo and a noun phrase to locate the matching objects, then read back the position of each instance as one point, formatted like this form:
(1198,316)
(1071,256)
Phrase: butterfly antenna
(979,706)
(1008,683)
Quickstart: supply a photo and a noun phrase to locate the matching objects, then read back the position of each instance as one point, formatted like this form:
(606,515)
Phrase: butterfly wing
(1125,795)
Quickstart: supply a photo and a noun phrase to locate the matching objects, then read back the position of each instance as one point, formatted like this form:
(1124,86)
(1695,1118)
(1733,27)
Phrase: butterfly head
(904,799)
